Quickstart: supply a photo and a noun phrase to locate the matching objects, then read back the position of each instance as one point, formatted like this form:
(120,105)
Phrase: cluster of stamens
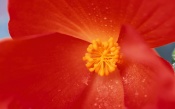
(102,56)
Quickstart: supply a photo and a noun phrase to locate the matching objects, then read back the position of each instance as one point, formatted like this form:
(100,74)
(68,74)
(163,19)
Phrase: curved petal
(43,72)
(167,99)
(145,75)
(88,19)
(103,93)
(154,20)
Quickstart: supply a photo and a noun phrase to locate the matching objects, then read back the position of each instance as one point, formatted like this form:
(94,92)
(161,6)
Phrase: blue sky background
(164,51)
(3,19)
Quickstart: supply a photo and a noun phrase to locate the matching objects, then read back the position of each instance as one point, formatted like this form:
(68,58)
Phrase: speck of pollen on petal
(102,57)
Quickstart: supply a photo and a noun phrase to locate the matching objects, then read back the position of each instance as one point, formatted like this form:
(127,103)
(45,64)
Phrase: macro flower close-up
(87,54)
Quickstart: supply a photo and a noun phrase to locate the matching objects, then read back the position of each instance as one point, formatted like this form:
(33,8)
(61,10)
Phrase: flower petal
(145,75)
(43,72)
(104,93)
(154,20)
(88,20)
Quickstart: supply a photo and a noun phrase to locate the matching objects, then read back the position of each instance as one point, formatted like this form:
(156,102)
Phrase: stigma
(102,57)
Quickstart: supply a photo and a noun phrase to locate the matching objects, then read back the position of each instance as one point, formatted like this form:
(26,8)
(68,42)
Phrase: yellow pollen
(101,57)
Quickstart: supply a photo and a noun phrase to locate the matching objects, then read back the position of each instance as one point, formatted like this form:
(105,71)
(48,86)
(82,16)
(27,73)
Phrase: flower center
(101,57)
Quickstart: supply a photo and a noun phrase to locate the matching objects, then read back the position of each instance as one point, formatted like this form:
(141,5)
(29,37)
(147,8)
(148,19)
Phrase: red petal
(154,20)
(43,72)
(104,93)
(167,100)
(144,73)
(91,19)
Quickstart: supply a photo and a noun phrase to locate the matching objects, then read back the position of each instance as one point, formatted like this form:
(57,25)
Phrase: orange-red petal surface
(104,93)
(144,74)
(88,19)
(45,72)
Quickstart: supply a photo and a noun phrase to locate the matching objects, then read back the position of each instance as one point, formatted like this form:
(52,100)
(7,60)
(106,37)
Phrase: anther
(102,57)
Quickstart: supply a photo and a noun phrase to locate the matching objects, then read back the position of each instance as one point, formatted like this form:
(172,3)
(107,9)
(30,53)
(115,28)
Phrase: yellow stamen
(102,56)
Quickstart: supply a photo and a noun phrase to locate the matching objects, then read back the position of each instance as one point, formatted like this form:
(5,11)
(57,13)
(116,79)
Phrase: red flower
(47,72)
